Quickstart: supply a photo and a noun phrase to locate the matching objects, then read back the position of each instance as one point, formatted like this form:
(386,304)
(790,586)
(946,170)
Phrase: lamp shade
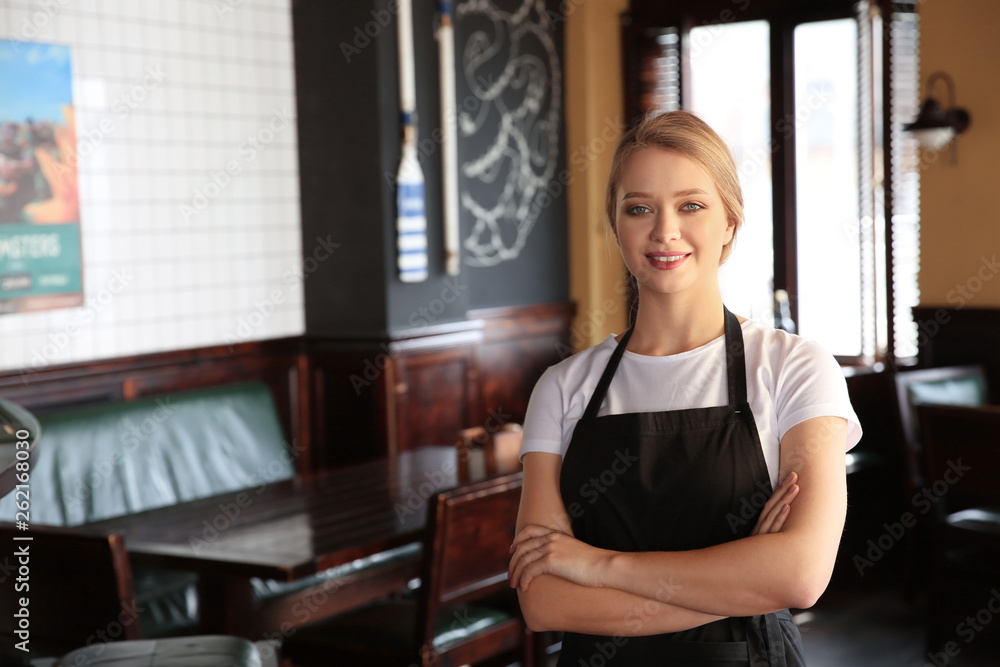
(934,127)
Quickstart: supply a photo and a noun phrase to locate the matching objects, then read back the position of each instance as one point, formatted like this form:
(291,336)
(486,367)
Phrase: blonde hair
(684,133)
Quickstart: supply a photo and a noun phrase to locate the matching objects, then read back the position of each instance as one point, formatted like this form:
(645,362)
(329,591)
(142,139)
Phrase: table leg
(225,605)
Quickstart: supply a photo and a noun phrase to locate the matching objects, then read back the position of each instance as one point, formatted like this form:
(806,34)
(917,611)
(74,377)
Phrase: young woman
(653,528)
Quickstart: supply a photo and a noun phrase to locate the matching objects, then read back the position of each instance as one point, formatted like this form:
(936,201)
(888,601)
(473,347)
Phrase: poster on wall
(40,262)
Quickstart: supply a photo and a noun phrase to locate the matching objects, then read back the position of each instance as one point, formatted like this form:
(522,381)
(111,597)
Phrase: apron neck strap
(609,372)
(735,367)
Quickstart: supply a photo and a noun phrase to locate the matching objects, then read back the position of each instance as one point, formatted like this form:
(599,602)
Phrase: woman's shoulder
(801,378)
(784,351)
(563,383)
(780,342)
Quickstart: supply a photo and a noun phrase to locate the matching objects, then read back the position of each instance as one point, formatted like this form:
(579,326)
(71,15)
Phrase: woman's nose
(666,228)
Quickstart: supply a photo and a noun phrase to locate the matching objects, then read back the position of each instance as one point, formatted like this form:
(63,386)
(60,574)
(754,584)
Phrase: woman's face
(671,224)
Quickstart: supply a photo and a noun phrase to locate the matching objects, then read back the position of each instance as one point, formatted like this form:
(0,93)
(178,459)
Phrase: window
(827,201)
(731,62)
(798,91)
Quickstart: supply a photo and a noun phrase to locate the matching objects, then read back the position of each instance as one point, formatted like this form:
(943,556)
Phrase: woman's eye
(692,206)
(637,210)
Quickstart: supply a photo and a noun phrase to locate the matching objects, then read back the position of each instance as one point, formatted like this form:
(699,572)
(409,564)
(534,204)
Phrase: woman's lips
(667,261)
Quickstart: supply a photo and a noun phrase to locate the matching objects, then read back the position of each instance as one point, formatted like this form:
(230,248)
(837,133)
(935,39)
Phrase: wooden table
(294,528)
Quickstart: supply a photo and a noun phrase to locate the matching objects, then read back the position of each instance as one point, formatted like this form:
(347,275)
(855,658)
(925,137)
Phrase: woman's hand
(777,507)
(543,550)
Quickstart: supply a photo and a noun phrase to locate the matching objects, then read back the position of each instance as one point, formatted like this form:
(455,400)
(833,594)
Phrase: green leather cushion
(167,601)
(958,391)
(466,622)
(100,462)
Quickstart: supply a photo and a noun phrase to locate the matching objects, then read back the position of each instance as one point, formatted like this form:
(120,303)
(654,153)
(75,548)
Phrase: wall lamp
(934,127)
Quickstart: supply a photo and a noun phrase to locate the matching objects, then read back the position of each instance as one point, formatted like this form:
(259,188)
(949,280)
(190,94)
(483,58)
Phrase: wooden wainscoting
(377,398)
(343,401)
(518,345)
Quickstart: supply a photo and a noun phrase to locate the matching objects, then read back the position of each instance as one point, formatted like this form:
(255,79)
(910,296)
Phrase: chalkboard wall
(511,154)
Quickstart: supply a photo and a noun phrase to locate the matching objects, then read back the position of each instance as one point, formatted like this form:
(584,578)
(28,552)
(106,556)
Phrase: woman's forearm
(553,603)
(756,575)
(762,573)
(753,575)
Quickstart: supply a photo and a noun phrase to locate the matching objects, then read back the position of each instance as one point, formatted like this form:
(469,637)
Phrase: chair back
(962,453)
(469,532)
(80,589)
(952,385)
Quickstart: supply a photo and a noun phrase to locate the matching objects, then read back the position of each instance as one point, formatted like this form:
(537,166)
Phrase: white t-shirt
(789,380)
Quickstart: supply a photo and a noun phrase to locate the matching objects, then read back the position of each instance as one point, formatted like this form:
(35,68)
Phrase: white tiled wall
(203,77)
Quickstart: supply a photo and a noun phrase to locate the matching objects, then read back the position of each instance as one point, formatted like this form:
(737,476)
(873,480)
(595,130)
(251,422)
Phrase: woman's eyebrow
(679,193)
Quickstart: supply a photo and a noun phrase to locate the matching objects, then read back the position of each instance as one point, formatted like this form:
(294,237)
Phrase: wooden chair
(80,589)
(464,611)
(953,385)
(962,454)
(491,448)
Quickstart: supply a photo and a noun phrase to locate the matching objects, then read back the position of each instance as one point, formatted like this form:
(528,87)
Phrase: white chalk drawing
(520,91)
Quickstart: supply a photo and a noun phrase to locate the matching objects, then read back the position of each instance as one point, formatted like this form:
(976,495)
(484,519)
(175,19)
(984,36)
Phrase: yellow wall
(960,203)
(595,116)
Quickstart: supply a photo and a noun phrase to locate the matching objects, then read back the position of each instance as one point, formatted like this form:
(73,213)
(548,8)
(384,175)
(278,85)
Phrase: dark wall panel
(340,131)
(441,298)
(513,153)
(510,111)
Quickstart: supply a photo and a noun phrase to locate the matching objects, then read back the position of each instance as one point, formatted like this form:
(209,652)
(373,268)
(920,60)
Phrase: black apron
(673,481)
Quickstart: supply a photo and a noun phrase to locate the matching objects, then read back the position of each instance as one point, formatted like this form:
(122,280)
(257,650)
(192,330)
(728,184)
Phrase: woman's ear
(730,230)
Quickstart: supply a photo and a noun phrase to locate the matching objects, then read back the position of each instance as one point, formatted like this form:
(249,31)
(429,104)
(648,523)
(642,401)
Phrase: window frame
(647,18)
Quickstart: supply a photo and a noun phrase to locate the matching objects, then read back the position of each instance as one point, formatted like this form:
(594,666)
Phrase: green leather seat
(105,461)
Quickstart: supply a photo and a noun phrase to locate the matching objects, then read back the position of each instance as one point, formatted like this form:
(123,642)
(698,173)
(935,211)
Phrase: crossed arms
(565,584)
